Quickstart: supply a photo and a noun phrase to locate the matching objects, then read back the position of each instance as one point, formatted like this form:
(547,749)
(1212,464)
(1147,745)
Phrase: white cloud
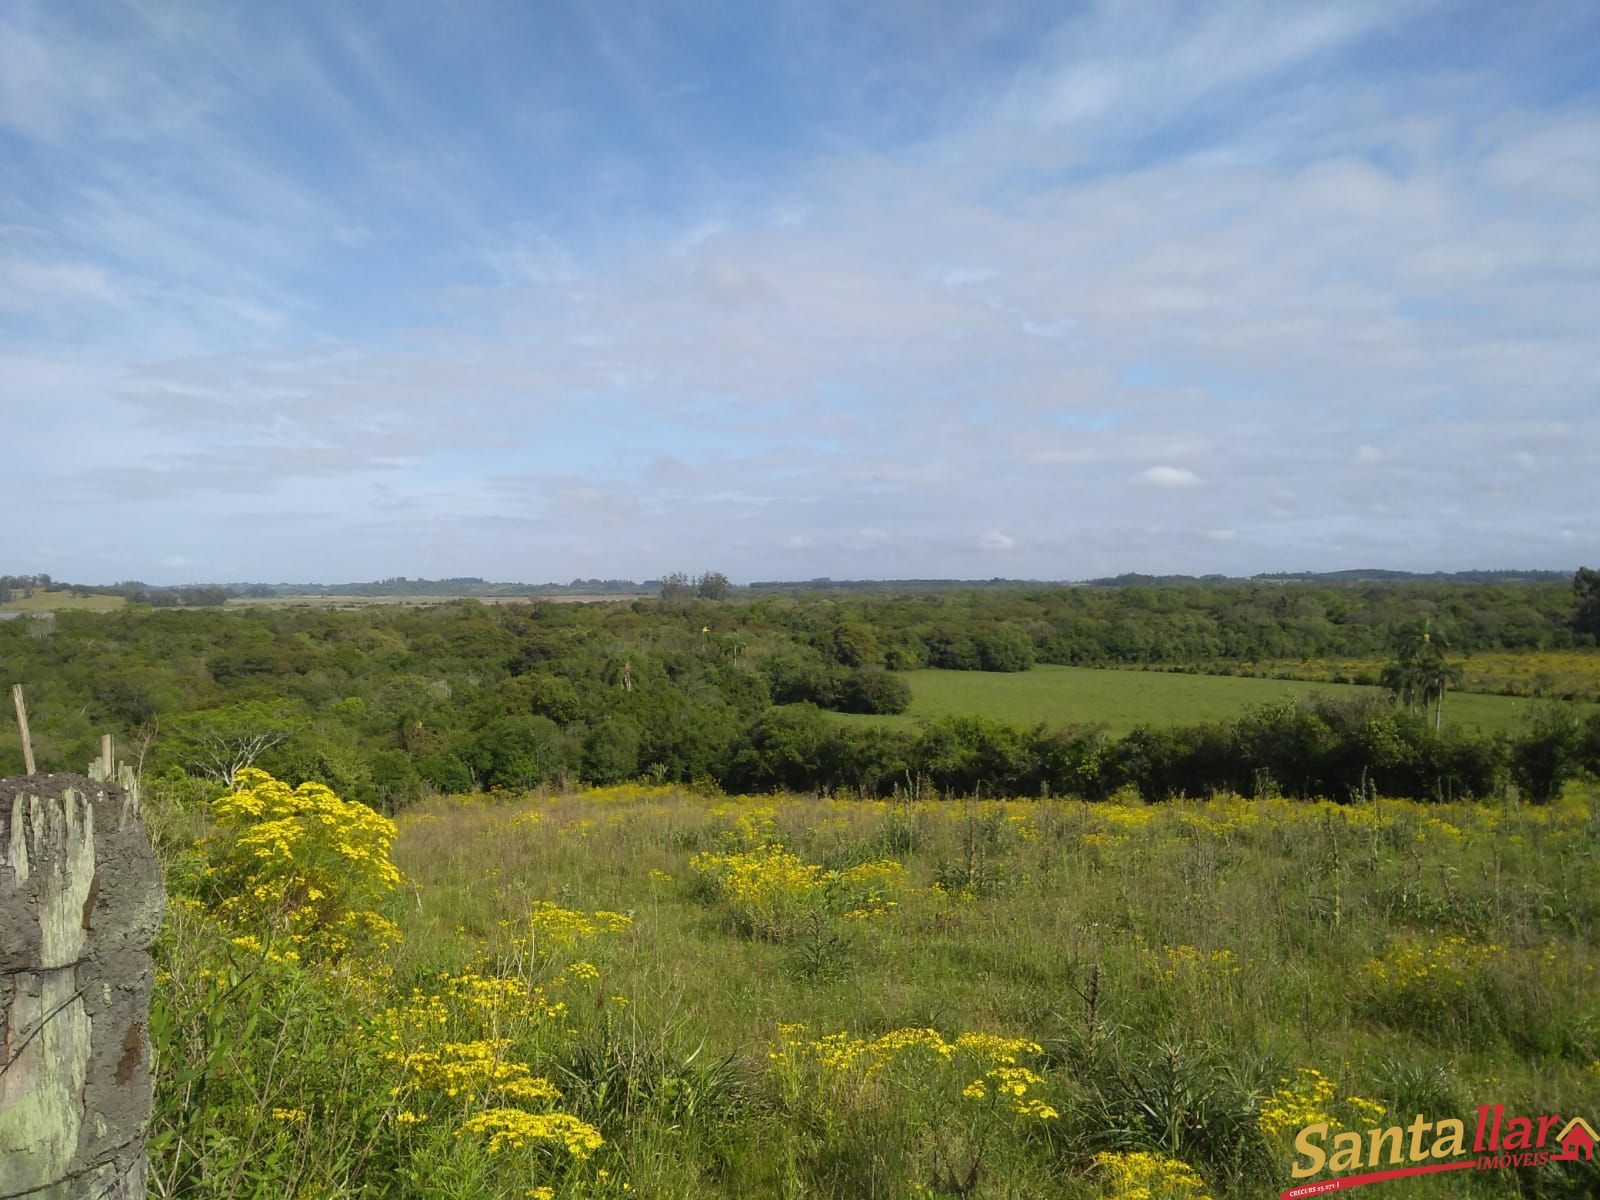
(1128,65)
(1168,477)
(1292,277)
(30,285)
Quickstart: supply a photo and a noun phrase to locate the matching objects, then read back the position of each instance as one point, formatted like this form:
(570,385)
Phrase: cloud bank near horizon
(938,291)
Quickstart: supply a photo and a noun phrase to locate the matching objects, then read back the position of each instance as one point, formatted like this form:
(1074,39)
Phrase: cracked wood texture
(80,902)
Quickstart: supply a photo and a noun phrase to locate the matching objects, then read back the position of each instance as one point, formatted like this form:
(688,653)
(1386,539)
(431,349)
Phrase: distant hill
(1133,579)
(1355,575)
(206,594)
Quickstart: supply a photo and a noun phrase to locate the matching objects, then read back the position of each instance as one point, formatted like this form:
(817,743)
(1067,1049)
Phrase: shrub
(1545,751)
(870,690)
(301,864)
(870,1112)
(1005,649)
(771,893)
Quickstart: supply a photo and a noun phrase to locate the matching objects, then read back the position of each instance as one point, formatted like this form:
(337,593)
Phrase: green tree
(1586,586)
(871,690)
(520,751)
(1436,676)
(676,588)
(784,748)
(1005,649)
(611,751)
(1420,674)
(220,742)
(1546,751)
(853,644)
(712,585)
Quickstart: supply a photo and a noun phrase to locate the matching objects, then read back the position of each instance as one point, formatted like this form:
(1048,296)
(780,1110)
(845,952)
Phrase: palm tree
(1403,677)
(1420,674)
(1435,676)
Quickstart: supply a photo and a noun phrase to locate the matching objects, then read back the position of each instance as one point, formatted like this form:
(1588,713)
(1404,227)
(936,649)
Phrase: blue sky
(336,290)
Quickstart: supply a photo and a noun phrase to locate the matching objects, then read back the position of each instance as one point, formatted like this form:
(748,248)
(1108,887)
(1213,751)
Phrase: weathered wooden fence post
(22,727)
(81,900)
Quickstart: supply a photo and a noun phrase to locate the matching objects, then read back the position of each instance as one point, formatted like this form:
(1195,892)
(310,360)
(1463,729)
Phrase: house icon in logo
(1578,1138)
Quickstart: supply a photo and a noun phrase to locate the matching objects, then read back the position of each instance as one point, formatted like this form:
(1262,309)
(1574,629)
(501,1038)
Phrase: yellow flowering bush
(301,864)
(868,889)
(1142,1175)
(1418,980)
(770,891)
(1009,1086)
(551,927)
(926,1105)
(513,1128)
(842,1054)
(1367,1113)
(743,826)
(499,1000)
(466,1053)
(477,1069)
(473,1053)
(992,1048)
(1309,1097)
(1443,829)
(1299,1101)
(1184,963)
(1126,816)
(850,1068)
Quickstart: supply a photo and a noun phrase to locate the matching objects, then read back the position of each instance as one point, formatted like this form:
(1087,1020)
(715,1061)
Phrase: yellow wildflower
(514,1128)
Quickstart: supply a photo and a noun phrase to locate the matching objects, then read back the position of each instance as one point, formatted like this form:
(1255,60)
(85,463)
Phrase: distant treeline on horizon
(210,594)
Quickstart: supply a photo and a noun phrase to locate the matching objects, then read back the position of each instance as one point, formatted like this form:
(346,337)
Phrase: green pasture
(1122,699)
(62,601)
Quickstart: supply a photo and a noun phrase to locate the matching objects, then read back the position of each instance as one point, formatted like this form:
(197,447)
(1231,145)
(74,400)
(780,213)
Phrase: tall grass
(772,1011)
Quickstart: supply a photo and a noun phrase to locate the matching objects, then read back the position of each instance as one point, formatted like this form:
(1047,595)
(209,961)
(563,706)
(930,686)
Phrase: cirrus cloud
(1020,281)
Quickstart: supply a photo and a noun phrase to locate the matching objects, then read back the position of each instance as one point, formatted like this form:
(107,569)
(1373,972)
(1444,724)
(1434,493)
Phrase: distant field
(1122,699)
(1574,673)
(319,600)
(62,601)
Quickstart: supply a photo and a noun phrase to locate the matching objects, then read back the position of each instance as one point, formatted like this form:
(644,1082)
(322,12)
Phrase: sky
(337,291)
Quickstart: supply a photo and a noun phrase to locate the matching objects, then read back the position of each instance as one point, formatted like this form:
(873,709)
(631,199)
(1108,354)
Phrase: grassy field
(62,601)
(342,602)
(1122,699)
(1574,674)
(646,993)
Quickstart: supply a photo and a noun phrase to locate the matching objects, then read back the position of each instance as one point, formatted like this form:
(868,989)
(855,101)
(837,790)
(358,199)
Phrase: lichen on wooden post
(80,902)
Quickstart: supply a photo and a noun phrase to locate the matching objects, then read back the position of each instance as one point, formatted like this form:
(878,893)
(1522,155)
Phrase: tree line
(387,702)
(134,591)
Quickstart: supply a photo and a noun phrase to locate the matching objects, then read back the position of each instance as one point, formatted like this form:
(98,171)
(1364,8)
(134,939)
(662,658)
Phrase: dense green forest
(386,703)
